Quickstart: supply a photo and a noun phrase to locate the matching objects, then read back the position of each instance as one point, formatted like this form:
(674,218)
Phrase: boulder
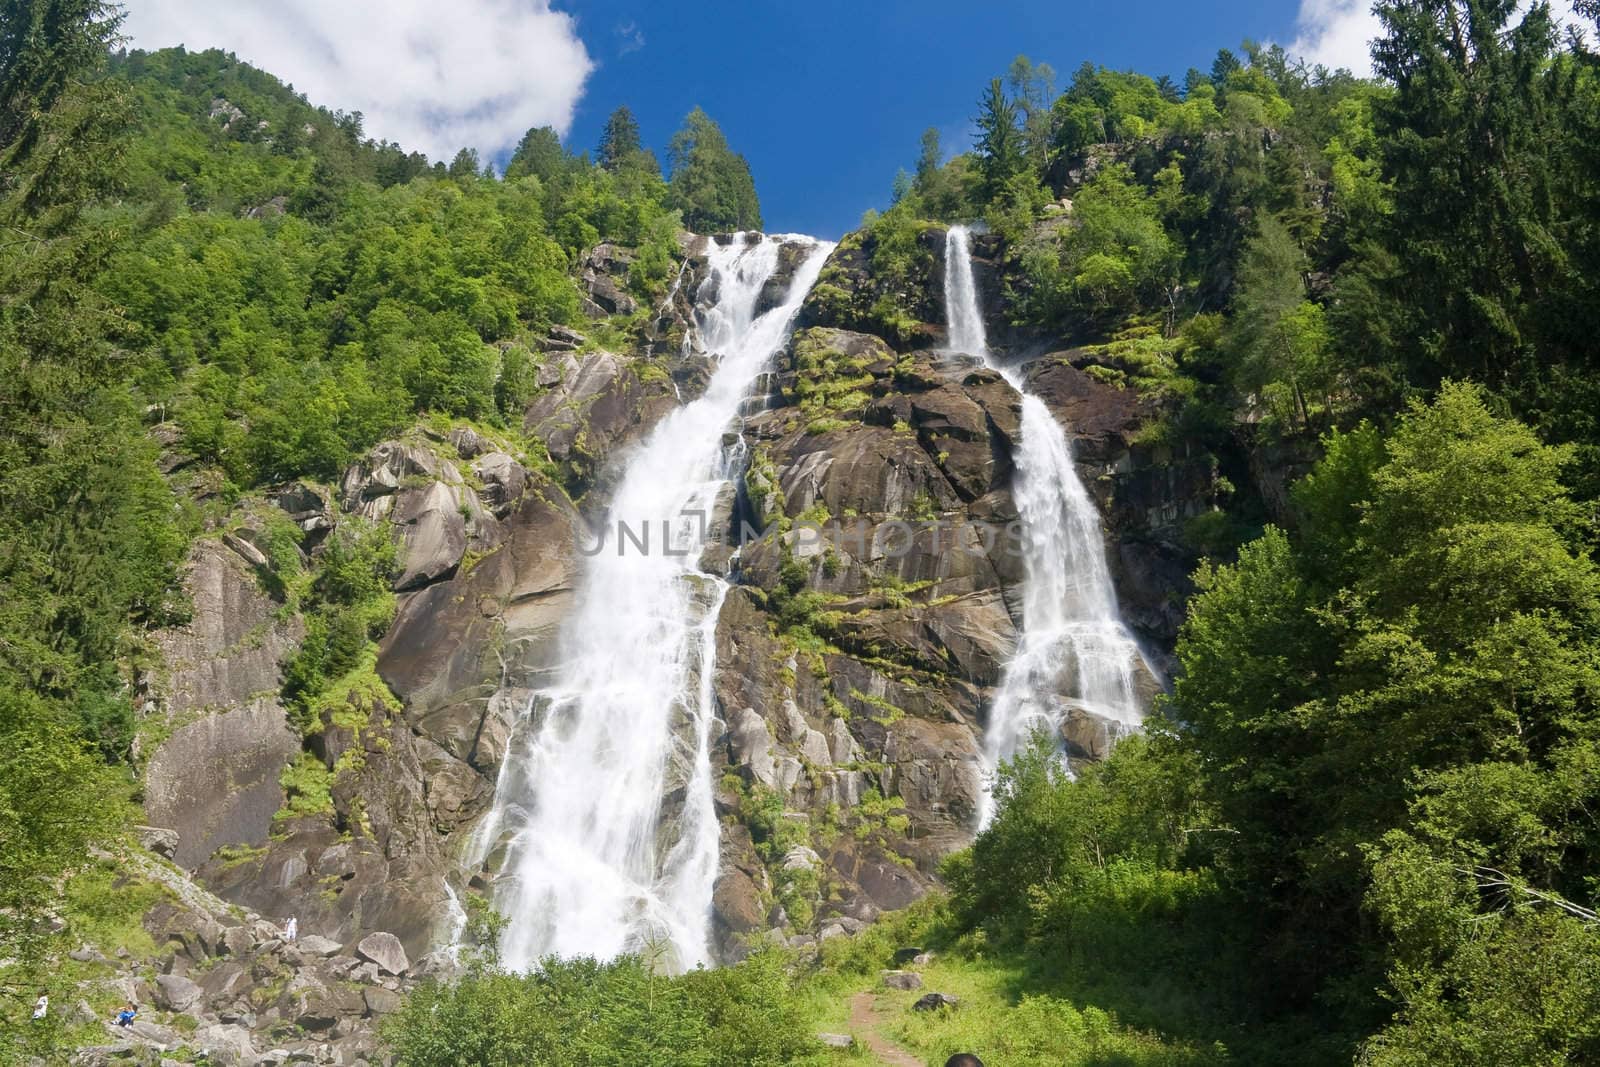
(324,1008)
(503,481)
(385,950)
(317,945)
(380,1001)
(158,839)
(1088,735)
(175,993)
(903,980)
(467,442)
(750,744)
(164,1037)
(835,1040)
(225,1044)
(935,1001)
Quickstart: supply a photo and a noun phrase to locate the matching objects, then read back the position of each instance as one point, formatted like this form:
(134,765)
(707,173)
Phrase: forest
(1361,827)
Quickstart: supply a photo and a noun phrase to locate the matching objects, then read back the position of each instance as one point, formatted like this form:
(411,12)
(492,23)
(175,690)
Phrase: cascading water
(597,863)
(1073,649)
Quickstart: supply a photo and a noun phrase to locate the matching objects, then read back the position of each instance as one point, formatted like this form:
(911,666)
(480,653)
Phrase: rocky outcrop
(377,858)
(875,602)
(605,279)
(213,777)
(227,988)
(464,655)
(854,661)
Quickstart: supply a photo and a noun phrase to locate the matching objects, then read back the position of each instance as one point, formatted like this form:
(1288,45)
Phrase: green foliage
(349,605)
(307,785)
(583,1012)
(1423,659)
(829,381)
(710,184)
(1280,339)
(539,154)
(1050,828)
(1115,256)
(1000,146)
(57,800)
(620,147)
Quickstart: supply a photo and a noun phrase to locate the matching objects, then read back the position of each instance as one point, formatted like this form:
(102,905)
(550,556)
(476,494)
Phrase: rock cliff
(875,603)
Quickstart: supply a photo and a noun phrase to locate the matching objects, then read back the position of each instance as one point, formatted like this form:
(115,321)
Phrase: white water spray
(1073,649)
(599,861)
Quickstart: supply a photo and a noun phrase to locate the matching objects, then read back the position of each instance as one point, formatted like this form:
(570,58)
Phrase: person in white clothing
(41,1007)
(291,929)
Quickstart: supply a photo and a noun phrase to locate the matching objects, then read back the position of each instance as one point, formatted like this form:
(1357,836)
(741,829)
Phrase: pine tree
(619,143)
(1466,140)
(539,154)
(929,159)
(999,140)
(710,184)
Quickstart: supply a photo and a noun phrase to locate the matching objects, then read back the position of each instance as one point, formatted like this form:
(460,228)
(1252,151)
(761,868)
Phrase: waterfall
(1073,650)
(605,802)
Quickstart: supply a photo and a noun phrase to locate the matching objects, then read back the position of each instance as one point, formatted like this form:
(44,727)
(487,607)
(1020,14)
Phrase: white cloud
(434,77)
(1337,33)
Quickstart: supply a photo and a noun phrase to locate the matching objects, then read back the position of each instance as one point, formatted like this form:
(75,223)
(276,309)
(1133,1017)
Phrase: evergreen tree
(619,143)
(1466,138)
(465,165)
(710,183)
(928,160)
(999,140)
(1279,337)
(539,154)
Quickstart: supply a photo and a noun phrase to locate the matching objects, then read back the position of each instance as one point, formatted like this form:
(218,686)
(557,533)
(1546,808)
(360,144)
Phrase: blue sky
(826,99)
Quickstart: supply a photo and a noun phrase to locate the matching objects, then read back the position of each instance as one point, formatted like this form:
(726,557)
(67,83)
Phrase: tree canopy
(710,184)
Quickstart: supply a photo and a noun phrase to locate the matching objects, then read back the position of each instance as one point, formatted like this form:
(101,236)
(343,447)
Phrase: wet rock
(1088,735)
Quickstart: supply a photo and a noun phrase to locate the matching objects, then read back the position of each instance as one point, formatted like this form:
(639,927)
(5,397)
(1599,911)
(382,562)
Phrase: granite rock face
(214,778)
(874,603)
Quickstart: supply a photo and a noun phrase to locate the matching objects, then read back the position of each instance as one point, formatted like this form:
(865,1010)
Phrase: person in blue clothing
(126,1016)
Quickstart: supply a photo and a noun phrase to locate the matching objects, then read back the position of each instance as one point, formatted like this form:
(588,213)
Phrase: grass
(104,907)
(1148,993)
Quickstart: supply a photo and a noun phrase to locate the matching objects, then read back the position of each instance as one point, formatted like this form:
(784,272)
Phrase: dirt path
(864,1023)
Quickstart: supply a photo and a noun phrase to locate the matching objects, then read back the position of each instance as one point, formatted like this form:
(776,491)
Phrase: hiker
(41,1007)
(126,1015)
(291,929)
(963,1059)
